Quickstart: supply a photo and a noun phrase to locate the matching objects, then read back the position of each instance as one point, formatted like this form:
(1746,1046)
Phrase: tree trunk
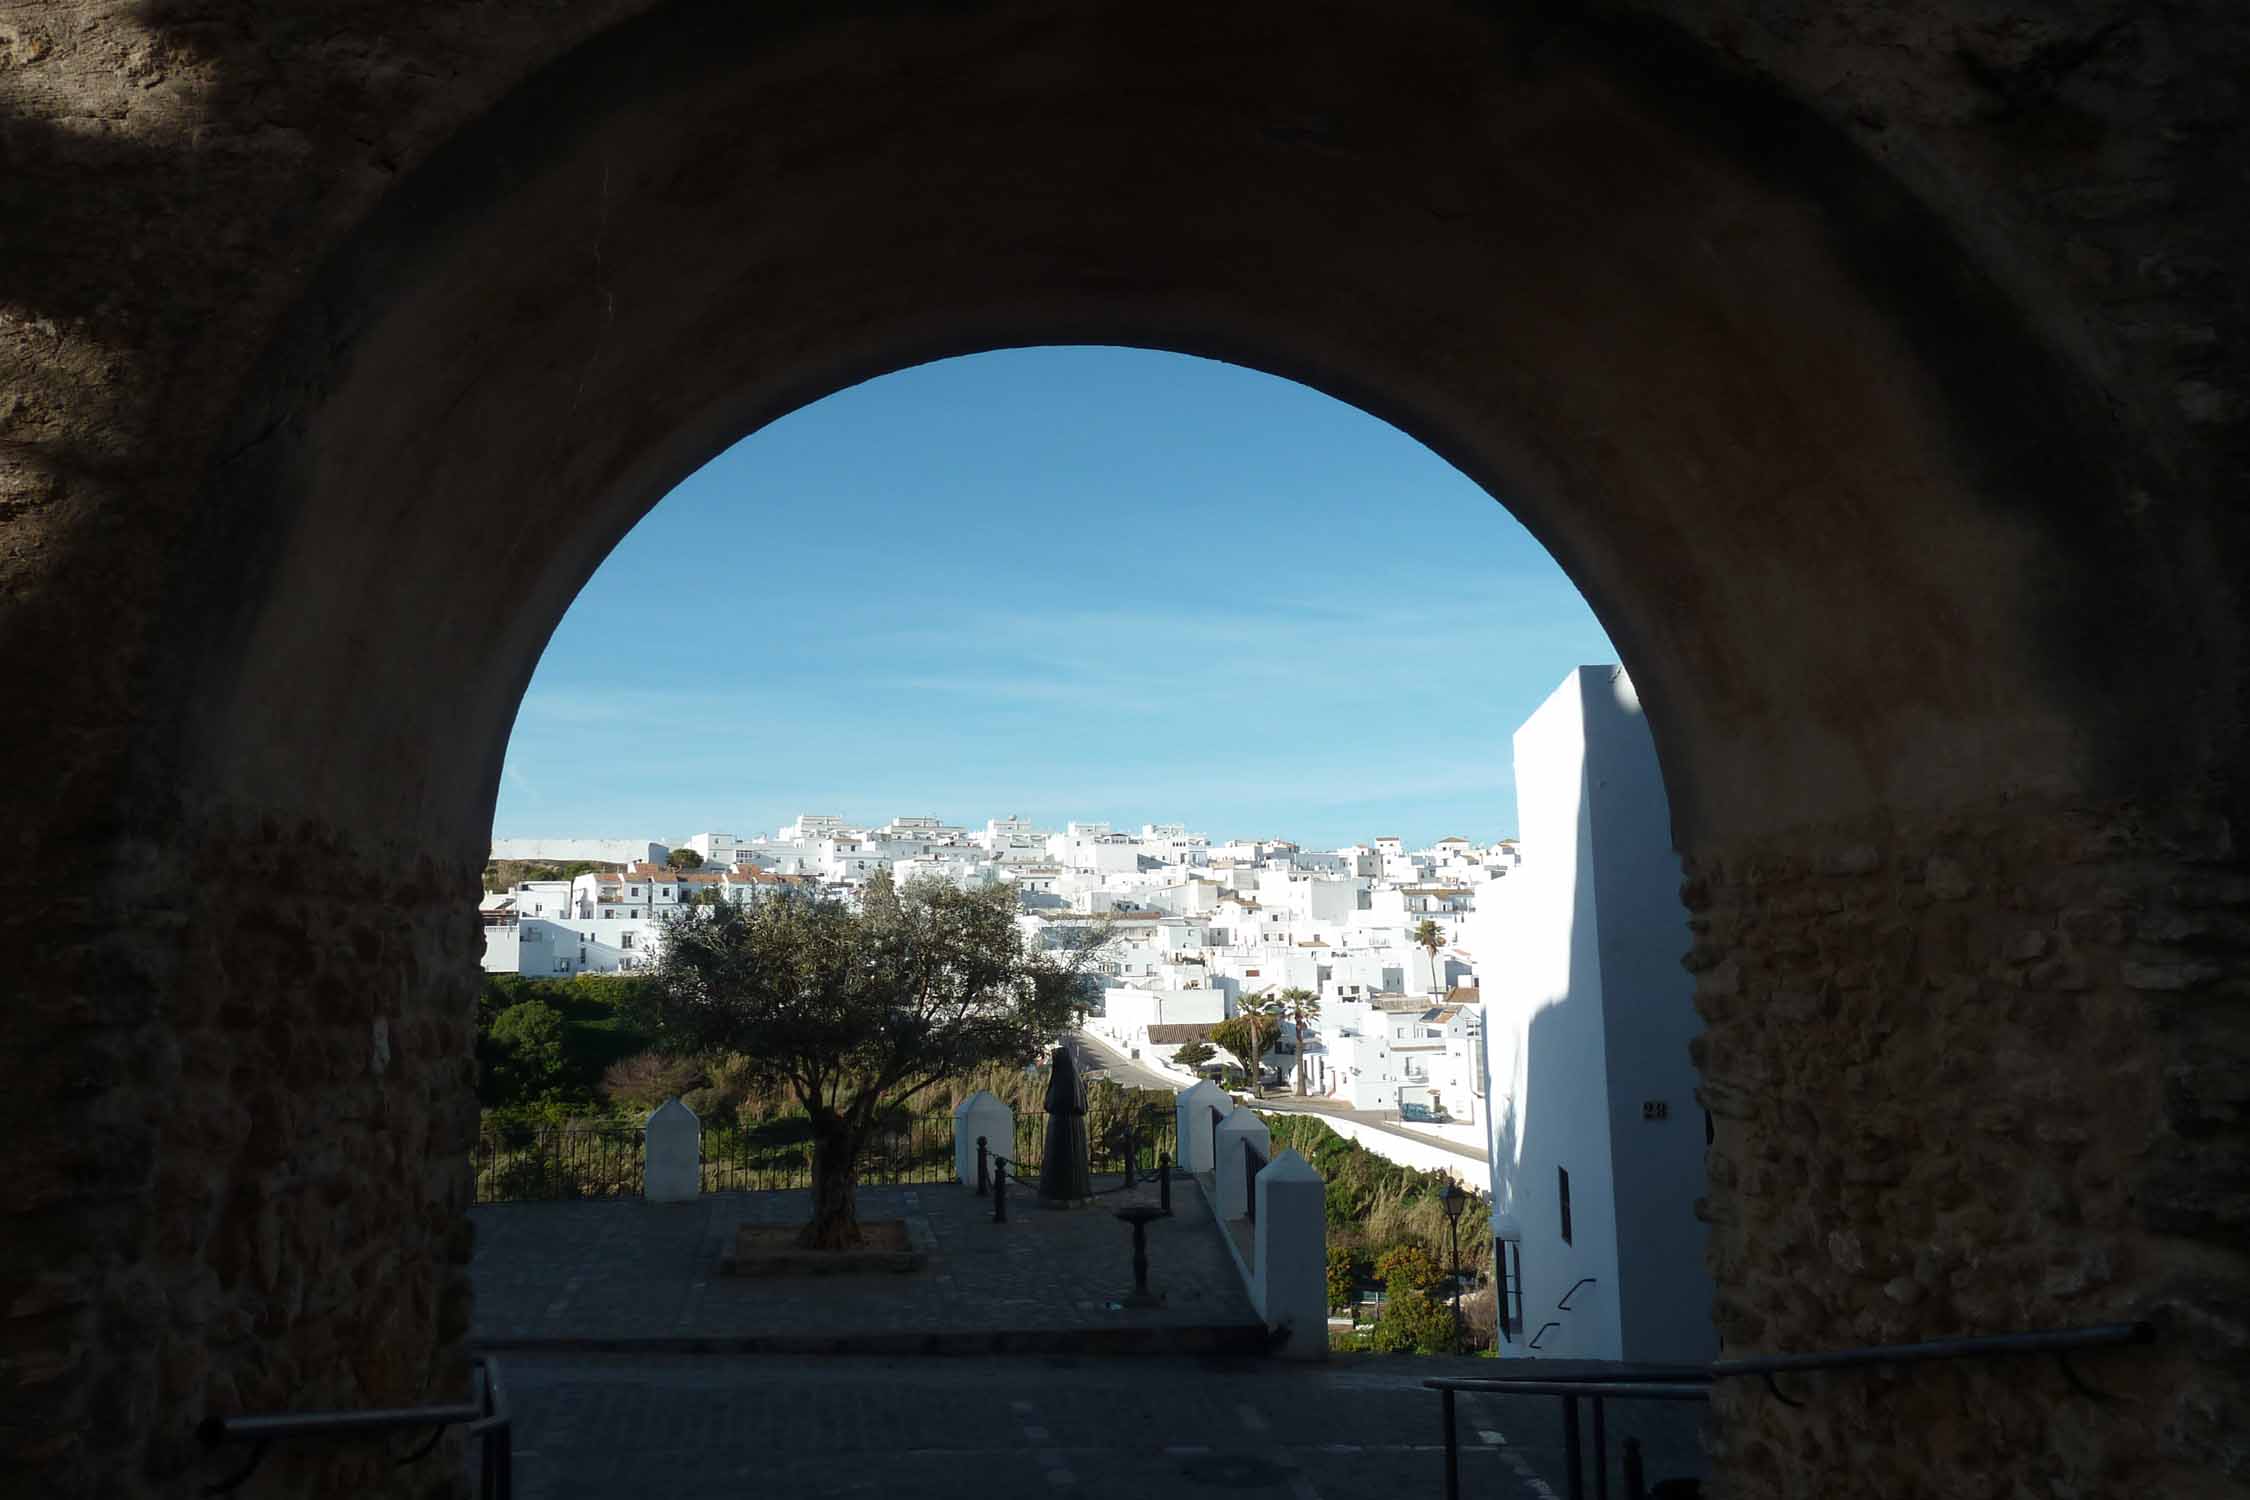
(835,1178)
(1300,1055)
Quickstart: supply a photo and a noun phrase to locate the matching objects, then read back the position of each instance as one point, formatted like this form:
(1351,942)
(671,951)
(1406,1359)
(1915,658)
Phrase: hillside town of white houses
(1525,995)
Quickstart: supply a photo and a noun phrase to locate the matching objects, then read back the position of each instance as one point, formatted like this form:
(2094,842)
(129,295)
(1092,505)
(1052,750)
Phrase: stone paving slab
(623,1273)
(1358,1428)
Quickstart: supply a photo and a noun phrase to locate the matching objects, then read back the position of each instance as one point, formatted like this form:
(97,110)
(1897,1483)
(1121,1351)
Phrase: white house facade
(1596,1139)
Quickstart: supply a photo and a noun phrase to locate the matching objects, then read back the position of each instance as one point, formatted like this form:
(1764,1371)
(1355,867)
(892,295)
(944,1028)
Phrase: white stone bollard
(1193,1108)
(672,1154)
(1289,1284)
(1233,1171)
(982,1113)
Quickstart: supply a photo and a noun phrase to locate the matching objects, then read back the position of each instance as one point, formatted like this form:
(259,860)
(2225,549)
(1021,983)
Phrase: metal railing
(485,1418)
(911,1151)
(1694,1382)
(1130,1148)
(532,1163)
(548,1162)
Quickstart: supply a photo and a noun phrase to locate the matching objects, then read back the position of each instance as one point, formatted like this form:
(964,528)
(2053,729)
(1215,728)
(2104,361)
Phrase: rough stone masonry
(1876,370)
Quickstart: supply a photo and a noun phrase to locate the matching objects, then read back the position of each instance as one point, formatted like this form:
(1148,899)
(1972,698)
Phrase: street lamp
(1453,1200)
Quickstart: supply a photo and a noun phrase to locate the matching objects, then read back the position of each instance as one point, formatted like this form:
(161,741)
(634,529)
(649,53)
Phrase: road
(1105,1061)
(599,1427)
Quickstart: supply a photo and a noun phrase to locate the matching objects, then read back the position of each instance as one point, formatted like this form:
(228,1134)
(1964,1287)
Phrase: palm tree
(1261,1017)
(1430,937)
(1298,1006)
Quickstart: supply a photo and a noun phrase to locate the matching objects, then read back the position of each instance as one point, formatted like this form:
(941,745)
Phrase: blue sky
(1060,583)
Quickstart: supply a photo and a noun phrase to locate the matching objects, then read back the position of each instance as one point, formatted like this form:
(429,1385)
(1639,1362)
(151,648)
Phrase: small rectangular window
(1508,1256)
(1562,1182)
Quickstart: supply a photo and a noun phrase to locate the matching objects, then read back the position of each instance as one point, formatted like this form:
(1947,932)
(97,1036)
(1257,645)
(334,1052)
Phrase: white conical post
(1232,1171)
(1289,1283)
(982,1113)
(672,1154)
(1194,1106)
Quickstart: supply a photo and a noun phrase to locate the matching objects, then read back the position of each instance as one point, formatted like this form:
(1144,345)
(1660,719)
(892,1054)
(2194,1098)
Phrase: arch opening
(1799,452)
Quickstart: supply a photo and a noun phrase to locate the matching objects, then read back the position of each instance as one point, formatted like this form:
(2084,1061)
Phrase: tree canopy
(857,1011)
(1194,1054)
(1248,1036)
(684,859)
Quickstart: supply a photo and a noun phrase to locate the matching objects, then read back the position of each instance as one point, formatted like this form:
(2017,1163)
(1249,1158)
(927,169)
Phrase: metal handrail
(487,1419)
(1694,1383)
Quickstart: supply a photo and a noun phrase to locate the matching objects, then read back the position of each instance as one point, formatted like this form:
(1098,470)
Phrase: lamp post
(1453,1200)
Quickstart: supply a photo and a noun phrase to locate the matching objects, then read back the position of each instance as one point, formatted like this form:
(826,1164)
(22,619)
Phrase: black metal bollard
(1446,1421)
(1000,1190)
(1140,1256)
(984,1173)
(1574,1475)
(1164,1180)
(1601,1454)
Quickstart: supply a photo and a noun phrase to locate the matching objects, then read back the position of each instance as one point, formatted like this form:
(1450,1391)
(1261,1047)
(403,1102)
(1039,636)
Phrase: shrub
(1343,1278)
(1414,1322)
(1480,1311)
(646,1079)
(1407,1268)
(521,1056)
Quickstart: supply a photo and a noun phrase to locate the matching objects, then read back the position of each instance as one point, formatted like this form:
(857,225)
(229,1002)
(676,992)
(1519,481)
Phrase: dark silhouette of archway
(1925,598)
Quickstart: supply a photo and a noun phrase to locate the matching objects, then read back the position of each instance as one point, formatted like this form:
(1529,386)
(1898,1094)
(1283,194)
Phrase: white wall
(603,851)
(1588,1015)
(1664,1291)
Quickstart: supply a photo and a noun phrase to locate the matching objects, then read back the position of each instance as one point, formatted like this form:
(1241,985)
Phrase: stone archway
(1916,553)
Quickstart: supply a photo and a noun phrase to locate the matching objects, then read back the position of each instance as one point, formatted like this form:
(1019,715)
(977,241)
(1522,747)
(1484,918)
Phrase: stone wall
(1979,1074)
(1877,370)
(278,1164)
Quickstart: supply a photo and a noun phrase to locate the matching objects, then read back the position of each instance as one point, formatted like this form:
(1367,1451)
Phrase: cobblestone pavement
(619,1270)
(1355,1429)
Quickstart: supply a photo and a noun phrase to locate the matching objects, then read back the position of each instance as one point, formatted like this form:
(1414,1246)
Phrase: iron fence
(905,1151)
(548,1162)
(1153,1133)
(523,1163)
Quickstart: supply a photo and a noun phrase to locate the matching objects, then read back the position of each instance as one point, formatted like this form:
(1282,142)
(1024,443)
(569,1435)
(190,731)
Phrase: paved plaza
(634,1368)
(601,1426)
(621,1273)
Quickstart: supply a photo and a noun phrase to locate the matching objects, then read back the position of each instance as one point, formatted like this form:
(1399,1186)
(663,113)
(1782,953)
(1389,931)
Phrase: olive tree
(856,1011)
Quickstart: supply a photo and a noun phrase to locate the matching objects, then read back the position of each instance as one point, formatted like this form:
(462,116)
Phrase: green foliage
(1392,1216)
(1414,1322)
(1407,1267)
(1248,1036)
(1194,1054)
(597,1032)
(846,1008)
(684,859)
(500,874)
(520,1059)
(1298,1006)
(1343,1277)
(855,1013)
(1429,937)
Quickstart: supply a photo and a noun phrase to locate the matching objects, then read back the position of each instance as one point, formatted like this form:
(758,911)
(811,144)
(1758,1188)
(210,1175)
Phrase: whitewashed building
(1596,1141)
